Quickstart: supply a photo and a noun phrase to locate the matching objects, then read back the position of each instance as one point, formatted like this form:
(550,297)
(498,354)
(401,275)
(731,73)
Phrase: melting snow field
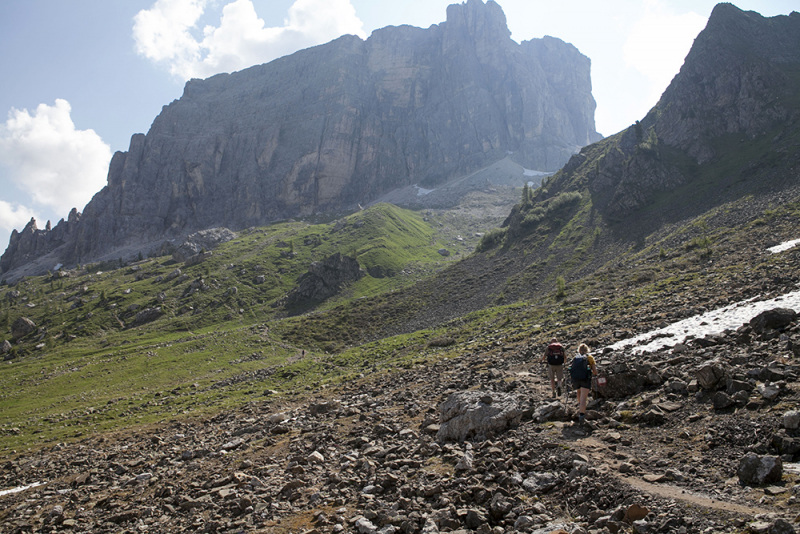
(713,322)
(19,489)
(784,246)
(529,172)
(422,192)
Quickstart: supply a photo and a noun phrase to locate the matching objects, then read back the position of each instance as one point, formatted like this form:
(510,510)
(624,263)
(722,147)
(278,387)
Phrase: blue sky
(81,76)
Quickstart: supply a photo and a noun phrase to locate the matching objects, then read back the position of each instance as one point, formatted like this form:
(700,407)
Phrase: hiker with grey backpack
(581,370)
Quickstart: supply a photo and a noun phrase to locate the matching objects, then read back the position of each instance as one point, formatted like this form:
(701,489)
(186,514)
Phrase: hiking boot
(559,390)
(581,419)
(554,394)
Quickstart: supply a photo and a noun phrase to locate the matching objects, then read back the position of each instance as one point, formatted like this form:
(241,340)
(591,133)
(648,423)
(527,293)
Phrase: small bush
(703,242)
(491,239)
(561,287)
(534,216)
(564,199)
(441,342)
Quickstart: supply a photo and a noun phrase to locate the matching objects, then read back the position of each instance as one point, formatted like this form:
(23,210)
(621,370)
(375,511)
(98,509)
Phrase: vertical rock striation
(335,125)
(739,84)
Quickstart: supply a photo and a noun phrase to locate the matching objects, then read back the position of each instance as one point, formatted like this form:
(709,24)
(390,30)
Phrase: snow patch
(784,246)
(422,192)
(716,321)
(529,172)
(20,488)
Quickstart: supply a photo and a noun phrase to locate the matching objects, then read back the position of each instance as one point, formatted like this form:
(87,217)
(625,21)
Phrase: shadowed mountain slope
(719,150)
(330,127)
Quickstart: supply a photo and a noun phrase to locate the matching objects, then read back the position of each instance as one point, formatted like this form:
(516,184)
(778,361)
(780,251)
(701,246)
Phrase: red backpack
(555,354)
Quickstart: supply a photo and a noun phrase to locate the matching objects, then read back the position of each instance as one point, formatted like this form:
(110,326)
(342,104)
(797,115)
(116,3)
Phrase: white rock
(791,420)
(365,526)
(769,392)
(277,418)
(430,527)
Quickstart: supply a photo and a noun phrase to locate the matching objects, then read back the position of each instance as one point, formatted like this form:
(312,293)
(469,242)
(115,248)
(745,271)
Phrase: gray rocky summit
(736,84)
(330,127)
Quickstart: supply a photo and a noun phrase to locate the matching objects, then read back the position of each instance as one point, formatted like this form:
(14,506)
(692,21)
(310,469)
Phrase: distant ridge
(329,128)
(719,152)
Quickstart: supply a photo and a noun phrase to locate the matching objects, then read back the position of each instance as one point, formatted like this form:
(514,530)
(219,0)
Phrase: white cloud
(13,216)
(161,33)
(659,42)
(164,33)
(58,166)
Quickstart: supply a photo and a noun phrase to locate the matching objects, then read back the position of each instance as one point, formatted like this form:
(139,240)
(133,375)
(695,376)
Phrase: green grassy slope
(89,365)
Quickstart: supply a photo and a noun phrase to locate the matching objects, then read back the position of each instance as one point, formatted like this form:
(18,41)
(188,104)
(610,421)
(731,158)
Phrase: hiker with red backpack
(555,357)
(581,371)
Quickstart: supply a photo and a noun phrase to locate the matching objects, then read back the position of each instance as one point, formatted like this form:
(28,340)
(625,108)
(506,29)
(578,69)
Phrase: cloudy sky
(81,77)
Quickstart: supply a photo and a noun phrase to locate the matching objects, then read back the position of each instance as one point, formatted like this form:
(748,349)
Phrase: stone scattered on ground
(473,444)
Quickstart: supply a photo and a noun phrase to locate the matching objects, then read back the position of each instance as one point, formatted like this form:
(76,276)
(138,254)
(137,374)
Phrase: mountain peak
(331,127)
(478,19)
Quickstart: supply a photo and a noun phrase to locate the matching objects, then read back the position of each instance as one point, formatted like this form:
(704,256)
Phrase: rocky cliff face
(737,86)
(339,124)
(739,78)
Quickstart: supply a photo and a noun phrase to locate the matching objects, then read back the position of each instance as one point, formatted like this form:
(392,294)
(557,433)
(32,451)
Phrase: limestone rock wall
(340,124)
(738,83)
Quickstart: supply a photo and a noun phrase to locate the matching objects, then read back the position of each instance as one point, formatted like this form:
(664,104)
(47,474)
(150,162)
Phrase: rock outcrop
(333,126)
(476,414)
(202,241)
(323,280)
(737,86)
(22,327)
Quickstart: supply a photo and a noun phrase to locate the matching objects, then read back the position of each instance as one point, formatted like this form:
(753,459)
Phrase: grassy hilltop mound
(109,337)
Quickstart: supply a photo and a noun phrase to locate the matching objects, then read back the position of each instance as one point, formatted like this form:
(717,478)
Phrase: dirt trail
(603,459)
(598,451)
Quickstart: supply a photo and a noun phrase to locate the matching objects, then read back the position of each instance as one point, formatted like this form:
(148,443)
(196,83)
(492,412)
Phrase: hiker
(581,371)
(554,355)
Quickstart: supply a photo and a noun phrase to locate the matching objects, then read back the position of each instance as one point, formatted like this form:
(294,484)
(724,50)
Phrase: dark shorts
(586,384)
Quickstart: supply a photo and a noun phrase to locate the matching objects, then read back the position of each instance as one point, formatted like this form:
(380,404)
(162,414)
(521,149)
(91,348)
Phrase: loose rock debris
(693,440)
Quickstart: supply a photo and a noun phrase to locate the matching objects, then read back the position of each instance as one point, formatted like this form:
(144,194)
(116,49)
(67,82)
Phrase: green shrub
(703,242)
(564,199)
(561,287)
(534,216)
(441,342)
(492,239)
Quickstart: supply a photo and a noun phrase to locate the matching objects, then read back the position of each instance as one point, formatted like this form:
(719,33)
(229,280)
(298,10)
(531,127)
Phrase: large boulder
(623,384)
(785,444)
(710,375)
(202,241)
(774,319)
(323,280)
(22,327)
(549,411)
(5,347)
(791,420)
(755,470)
(478,415)
(147,315)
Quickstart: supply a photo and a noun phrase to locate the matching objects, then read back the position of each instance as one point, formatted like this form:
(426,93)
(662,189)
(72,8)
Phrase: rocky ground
(699,438)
